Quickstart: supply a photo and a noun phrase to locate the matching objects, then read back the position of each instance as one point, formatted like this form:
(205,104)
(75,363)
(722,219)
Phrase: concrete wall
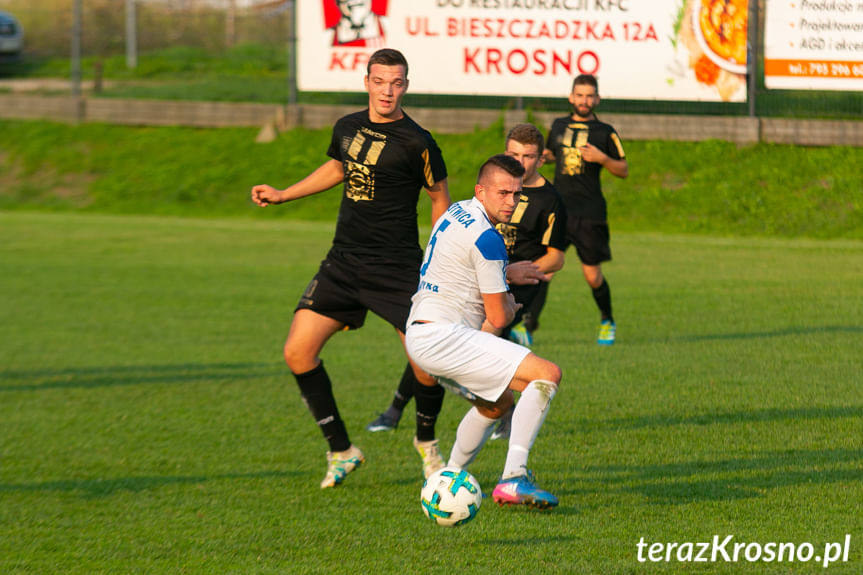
(742,130)
(164,113)
(812,132)
(63,109)
(138,112)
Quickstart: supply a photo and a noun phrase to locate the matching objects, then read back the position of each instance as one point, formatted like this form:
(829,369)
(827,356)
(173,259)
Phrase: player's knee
(551,372)
(298,361)
(536,368)
(593,275)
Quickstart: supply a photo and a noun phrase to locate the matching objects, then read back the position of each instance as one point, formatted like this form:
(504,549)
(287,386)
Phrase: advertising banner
(639,49)
(813,45)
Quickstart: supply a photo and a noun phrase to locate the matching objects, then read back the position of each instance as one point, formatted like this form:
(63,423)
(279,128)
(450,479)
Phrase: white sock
(527,418)
(472,433)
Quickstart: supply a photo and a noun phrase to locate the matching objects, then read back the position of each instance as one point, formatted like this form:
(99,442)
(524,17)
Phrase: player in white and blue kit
(462,298)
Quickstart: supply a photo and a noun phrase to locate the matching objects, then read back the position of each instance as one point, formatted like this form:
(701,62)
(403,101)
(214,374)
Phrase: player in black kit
(384,159)
(537,233)
(581,146)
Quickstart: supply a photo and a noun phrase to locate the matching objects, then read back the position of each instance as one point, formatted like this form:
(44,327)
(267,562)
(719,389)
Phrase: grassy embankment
(710,187)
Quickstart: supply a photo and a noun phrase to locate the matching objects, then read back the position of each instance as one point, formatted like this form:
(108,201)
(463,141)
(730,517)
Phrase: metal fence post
(292,53)
(131,35)
(752,56)
(77,18)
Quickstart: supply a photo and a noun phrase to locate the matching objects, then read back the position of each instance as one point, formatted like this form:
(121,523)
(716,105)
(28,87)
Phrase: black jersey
(539,221)
(577,180)
(385,167)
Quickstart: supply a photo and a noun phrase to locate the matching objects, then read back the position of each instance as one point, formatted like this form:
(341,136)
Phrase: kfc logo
(355,22)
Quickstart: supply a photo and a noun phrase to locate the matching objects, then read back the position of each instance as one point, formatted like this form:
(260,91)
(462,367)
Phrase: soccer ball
(451,497)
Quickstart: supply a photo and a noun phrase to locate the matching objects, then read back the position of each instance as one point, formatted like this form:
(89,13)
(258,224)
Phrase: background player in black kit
(581,146)
(536,232)
(384,159)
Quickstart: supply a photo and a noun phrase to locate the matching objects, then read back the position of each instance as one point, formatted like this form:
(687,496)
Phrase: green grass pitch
(149,425)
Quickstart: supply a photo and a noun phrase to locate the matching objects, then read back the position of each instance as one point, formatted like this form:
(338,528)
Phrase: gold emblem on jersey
(509,232)
(576,137)
(359,182)
(365,149)
(572,162)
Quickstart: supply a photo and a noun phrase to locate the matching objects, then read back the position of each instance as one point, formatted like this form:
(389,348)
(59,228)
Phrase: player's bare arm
(525,273)
(500,309)
(591,153)
(552,261)
(440,199)
(619,168)
(328,175)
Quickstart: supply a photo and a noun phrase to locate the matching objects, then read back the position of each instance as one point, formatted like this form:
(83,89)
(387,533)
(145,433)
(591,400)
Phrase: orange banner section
(813,68)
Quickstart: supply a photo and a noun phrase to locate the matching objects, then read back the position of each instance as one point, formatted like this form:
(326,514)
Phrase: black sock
(429,402)
(602,297)
(317,392)
(405,391)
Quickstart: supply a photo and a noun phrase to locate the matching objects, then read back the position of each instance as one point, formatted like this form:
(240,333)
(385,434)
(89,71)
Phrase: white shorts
(482,363)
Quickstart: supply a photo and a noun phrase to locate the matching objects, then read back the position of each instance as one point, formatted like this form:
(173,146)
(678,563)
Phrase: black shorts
(532,298)
(347,286)
(590,238)
(525,294)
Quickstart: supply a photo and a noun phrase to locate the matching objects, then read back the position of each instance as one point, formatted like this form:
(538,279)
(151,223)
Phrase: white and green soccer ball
(451,497)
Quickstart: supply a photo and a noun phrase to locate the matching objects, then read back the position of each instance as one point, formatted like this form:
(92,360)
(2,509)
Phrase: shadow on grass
(529,540)
(748,416)
(730,479)
(95,488)
(784,332)
(90,377)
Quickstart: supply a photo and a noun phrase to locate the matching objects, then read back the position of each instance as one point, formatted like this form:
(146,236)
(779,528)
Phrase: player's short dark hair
(506,163)
(526,135)
(586,80)
(387,57)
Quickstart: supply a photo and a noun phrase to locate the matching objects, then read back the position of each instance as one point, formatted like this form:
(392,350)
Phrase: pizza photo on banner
(714,34)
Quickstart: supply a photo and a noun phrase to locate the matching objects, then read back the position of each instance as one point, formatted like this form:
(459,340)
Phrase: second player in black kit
(536,232)
(581,146)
